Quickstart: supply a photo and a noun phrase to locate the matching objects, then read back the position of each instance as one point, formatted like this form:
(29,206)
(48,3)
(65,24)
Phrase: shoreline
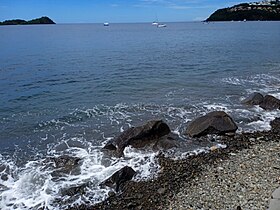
(177,177)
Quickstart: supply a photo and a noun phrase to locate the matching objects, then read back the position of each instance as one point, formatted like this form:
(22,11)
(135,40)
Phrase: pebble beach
(242,176)
(245,180)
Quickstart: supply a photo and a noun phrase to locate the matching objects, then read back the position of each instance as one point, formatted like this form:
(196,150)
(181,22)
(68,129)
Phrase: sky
(113,11)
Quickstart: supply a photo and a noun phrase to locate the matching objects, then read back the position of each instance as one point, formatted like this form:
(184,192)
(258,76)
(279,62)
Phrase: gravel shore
(245,180)
(241,176)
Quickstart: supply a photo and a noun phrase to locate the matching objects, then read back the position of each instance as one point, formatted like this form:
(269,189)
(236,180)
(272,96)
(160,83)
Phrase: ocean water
(67,89)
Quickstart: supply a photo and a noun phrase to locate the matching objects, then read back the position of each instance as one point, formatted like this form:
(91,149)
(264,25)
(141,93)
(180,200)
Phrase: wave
(82,132)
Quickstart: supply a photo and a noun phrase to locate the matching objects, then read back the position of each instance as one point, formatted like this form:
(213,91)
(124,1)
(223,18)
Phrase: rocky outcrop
(275,125)
(42,20)
(253,11)
(217,122)
(63,165)
(81,189)
(139,136)
(65,161)
(270,103)
(253,99)
(119,178)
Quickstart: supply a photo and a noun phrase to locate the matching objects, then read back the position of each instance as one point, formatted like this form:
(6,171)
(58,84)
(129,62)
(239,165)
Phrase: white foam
(33,185)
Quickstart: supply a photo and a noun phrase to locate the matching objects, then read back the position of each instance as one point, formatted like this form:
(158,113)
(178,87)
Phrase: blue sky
(98,11)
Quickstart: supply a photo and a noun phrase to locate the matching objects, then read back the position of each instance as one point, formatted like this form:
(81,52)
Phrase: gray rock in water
(253,99)
(139,136)
(64,165)
(119,177)
(77,190)
(275,125)
(65,161)
(217,122)
(270,103)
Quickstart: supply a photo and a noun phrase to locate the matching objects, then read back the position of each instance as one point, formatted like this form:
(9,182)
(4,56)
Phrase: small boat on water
(160,25)
(155,23)
(106,24)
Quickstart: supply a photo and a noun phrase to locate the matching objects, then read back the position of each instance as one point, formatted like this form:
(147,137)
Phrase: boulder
(65,161)
(119,177)
(166,142)
(217,122)
(270,103)
(275,125)
(253,99)
(110,145)
(77,190)
(63,165)
(139,136)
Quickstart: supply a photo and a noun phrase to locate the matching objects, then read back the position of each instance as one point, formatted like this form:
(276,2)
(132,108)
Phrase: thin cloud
(176,4)
(178,7)
(183,4)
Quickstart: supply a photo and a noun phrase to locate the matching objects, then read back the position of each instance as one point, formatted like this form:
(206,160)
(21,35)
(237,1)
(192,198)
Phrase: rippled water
(66,89)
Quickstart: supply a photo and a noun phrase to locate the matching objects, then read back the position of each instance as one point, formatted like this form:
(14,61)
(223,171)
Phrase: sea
(67,89)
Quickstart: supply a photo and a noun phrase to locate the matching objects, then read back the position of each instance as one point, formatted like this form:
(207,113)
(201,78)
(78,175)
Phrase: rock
(217,122)
(119,177)
(166,143)
(110,146)
(161,191)
(65,161)
(4,177)
(75,190)
(139,136)
(275,125)
(111,194)
(64,164)
(253,99)
(270,103)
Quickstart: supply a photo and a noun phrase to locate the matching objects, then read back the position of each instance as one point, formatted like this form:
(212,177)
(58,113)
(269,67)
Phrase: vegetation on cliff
(264,11)
(42,20)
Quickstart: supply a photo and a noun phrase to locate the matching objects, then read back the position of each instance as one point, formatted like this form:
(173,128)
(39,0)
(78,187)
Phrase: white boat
(106,24)
(155,23)
(160,25)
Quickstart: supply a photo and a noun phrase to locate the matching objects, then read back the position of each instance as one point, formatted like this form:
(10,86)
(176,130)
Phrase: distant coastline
(256,11)
(42,20)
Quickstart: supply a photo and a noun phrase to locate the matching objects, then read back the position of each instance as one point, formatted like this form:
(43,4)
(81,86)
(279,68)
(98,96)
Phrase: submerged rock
(139,136)
(77,190)
(65,161)
(217,122)
(270,103)
(63,165)
(275,125)
(119,177)
(253,99)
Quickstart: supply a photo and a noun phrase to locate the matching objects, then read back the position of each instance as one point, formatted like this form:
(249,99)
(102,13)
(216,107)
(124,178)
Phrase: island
(42,20)
(256,11)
